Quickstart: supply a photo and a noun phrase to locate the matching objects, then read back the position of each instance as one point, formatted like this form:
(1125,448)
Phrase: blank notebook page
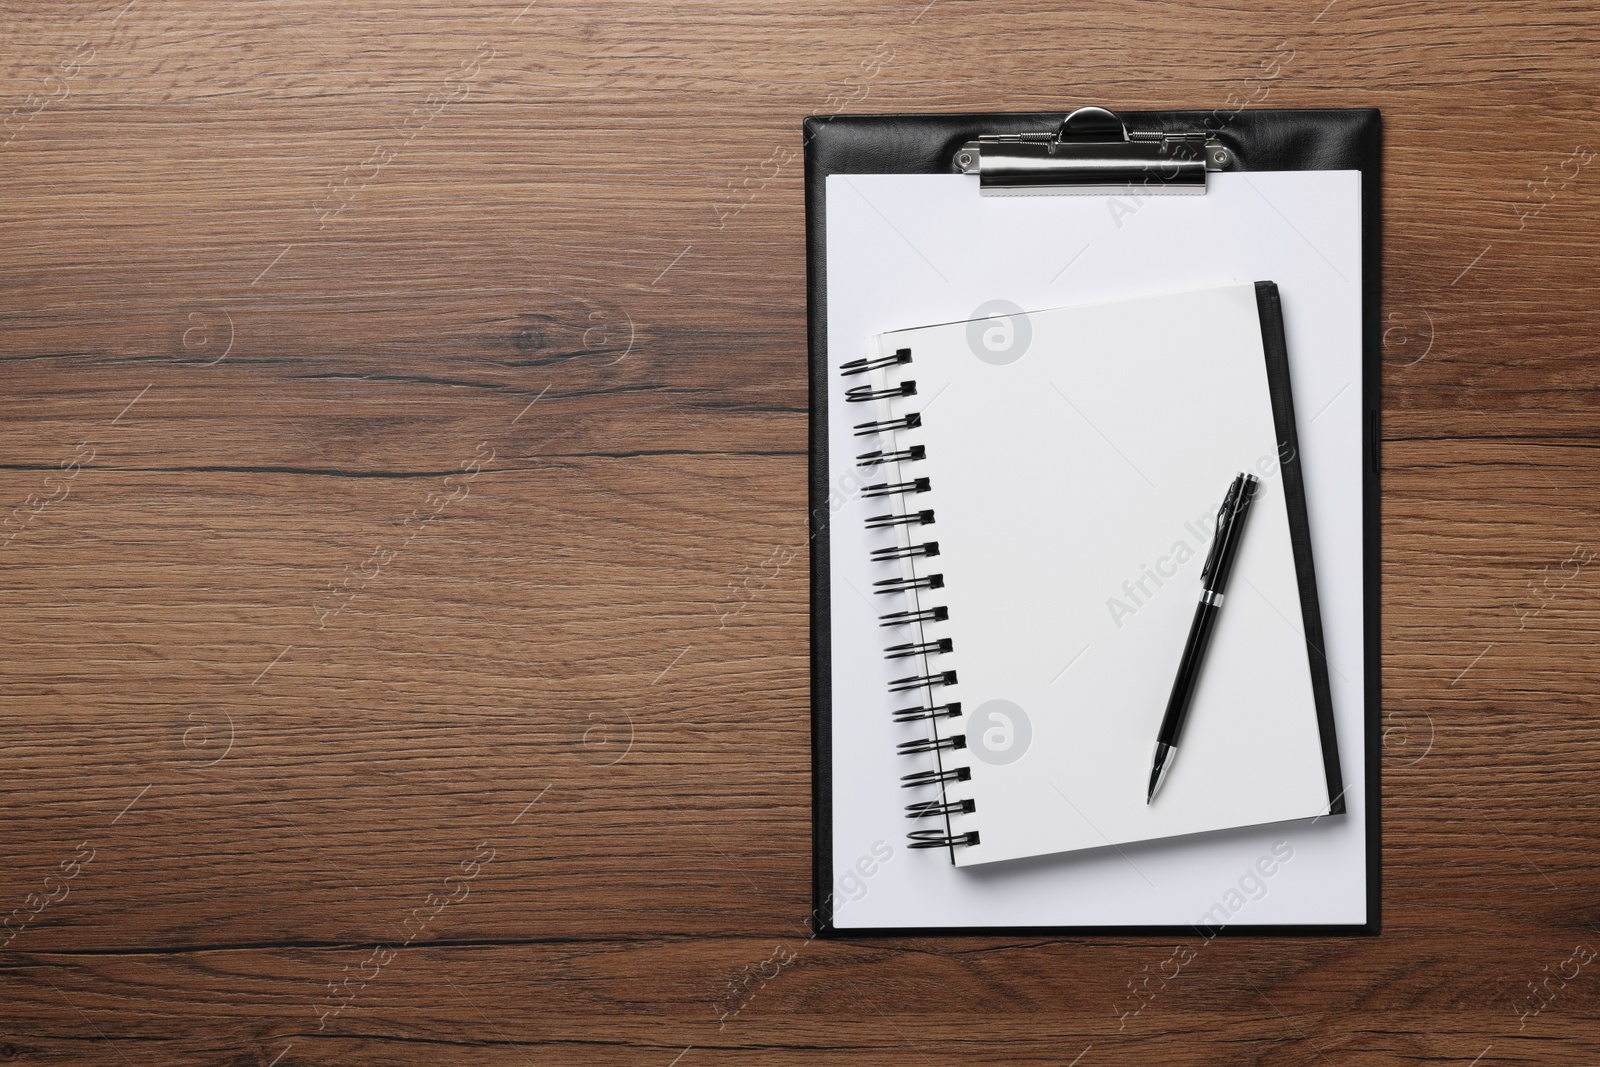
(1075,459)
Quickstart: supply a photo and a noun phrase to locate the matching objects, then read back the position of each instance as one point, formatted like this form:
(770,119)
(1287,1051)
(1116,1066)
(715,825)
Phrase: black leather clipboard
(1266,140)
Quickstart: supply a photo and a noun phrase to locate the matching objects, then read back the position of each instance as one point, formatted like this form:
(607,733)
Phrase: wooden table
(404,431)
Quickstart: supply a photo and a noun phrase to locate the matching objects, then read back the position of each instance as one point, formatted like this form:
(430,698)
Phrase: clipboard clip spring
(1092,152)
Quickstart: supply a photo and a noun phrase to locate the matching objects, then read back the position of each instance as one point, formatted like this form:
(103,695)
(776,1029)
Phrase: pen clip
(1224,517)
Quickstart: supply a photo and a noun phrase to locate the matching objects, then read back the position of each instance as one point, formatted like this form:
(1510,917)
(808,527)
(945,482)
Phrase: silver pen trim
(1163,756)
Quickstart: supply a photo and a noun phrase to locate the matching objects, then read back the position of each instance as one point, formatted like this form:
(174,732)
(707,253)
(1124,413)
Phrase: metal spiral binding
(883,555)
(929,680)
(922,681)
(941,839)
(872,459)
(955,774)
(944,644)
(905,422)
(901,618)
(900,585)
(939,711)
(925,808)
(916,485)
(932,744)
(862,393)
(862,366)
(883,522)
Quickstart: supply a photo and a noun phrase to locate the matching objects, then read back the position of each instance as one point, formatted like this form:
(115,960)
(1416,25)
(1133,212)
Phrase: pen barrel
(1188,679)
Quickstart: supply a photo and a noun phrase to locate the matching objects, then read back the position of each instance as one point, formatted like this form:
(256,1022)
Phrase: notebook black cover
(1270,310)
(1265,140)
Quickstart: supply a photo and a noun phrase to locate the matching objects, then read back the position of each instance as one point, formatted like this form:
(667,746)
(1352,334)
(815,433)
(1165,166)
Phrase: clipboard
(1091,152)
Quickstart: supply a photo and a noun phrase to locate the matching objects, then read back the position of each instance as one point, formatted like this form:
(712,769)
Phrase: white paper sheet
(906,250)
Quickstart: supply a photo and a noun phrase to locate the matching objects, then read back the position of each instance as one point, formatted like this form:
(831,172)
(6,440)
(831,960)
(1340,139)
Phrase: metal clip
(1092,152)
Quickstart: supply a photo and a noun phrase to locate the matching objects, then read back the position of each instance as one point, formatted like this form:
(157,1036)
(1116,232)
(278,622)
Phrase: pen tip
(1158,769)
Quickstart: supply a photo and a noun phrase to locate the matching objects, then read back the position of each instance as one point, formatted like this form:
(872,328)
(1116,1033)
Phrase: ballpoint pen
(1213,581)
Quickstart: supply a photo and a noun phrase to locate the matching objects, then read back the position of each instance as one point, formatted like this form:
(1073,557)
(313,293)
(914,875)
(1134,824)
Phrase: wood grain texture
(399,402)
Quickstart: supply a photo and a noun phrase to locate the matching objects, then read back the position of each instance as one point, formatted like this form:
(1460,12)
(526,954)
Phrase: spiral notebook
(1050,482)
(902,232)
